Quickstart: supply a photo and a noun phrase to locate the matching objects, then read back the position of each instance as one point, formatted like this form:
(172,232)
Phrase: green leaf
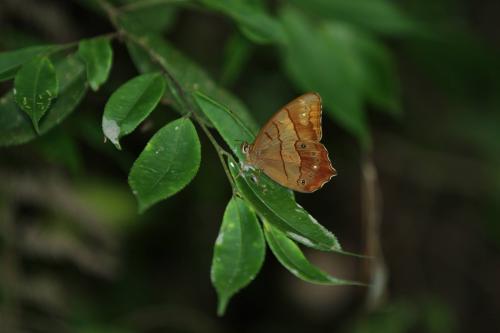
(167,164)
(130,104)
(334,73)
(254,22)
(238,253)
(153,17)
(379,16)
(290,256)
(191,77)
(59,147)
(35,86)
(16,126)
(232,129)
(371,63)
(11,61)
(277,205)
(98,56)
(237,52)
(272,201)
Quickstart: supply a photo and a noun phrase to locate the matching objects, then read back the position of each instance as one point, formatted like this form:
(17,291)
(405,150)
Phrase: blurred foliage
(414,84)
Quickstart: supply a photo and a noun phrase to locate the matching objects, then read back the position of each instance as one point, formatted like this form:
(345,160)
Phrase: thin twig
(220,151)
(371,201)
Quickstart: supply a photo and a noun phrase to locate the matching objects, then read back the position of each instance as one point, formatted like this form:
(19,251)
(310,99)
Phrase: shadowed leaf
(292,258)
(35,86)
(11,61)
(15,125)
(254,22)
(98,57)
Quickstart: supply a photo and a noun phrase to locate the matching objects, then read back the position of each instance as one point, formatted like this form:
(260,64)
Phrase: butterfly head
(245,148)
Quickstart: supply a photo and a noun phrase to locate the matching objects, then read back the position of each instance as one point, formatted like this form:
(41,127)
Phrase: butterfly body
(287,148)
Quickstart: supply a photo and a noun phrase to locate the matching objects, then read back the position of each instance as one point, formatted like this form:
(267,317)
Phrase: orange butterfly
(287,147)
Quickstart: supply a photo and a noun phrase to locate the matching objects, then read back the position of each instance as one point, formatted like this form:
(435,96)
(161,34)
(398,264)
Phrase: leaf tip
(94,85)
(142,206)
(111,130)
(117,144)
(35,126)
(222,305)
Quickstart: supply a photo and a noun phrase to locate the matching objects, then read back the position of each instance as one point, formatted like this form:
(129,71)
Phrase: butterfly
(287,148)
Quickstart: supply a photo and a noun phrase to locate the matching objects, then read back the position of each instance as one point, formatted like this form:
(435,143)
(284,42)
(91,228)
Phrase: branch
(371,201)
(178,91)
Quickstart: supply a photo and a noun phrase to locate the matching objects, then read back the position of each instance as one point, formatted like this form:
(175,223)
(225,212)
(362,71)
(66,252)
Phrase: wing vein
(281,150)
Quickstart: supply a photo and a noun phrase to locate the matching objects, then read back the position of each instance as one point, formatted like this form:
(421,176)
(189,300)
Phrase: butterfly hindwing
(315,167)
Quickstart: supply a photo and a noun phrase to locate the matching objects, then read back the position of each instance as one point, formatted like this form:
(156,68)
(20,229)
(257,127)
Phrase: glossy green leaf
(130,104)
(290,256)
(238,253)
(334,73)
(11,61)
(254,22)
(167,164)
(272,201)
(35,86)
(98,57)
(16,126)
(381,16)
(191,77)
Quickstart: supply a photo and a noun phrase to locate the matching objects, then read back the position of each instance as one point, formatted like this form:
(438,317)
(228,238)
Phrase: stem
(178,91)
(220,151)
(371,201)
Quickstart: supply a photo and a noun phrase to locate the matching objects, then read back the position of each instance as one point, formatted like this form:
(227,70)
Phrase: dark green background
(75,257)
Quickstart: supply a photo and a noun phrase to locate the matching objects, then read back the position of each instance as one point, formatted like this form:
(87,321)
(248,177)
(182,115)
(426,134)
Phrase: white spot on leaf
(219,239)
(111,129)
(301,239)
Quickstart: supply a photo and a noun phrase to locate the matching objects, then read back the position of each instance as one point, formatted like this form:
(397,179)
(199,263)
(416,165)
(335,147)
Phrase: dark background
(75,257)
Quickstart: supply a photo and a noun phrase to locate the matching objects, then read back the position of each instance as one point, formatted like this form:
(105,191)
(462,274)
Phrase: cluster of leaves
(314,38)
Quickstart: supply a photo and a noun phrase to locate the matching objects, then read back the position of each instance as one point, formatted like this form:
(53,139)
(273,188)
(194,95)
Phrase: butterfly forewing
(305,113)
(287,148)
